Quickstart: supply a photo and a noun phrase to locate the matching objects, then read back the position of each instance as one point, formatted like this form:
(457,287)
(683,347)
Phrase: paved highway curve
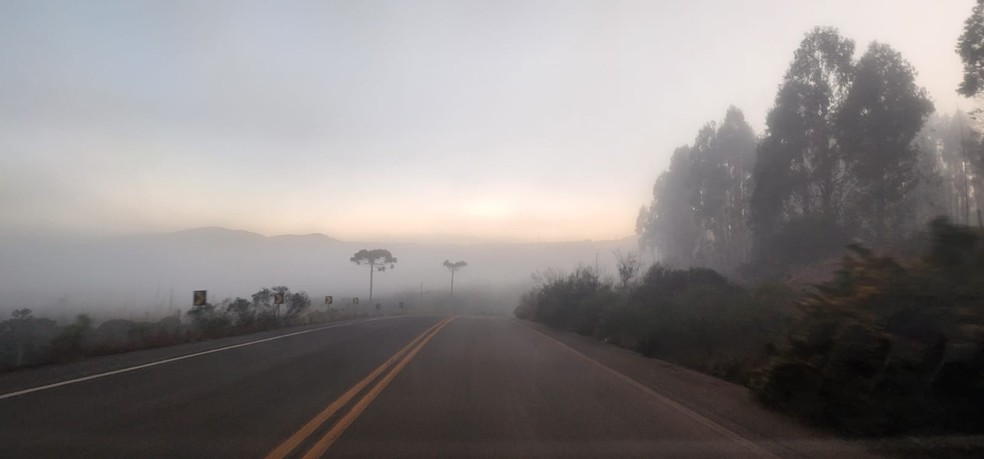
(396,387)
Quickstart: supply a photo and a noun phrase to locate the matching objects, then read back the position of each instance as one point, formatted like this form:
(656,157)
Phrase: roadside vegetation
(744,231)
(888,346)
(27,341)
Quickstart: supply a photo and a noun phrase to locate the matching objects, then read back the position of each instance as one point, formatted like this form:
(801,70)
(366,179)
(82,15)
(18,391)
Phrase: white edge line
(731,435)
(175,359)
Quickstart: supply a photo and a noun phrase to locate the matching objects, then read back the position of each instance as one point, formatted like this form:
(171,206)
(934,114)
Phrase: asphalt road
(396,387)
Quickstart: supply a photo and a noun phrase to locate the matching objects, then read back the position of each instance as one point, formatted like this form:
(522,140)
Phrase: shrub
(886,347)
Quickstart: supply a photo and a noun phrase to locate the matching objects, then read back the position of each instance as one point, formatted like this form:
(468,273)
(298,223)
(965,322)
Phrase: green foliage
(243,311)
(887,347)
(297,304)
(68,343)
(839,160)
(559,300)
(698,215)
(24,340)
(29,341)
(694,317)
(970,47)
(883,112)
(210,321)
(799,171)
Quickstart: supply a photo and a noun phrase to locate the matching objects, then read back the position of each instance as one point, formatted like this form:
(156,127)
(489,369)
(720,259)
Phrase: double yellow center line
(391,367)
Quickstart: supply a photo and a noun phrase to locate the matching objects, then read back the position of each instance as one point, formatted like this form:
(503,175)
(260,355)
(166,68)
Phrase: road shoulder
(730,405)
(26,378)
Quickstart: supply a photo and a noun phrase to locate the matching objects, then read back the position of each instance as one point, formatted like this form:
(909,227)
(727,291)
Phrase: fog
(786,195)
(153,275)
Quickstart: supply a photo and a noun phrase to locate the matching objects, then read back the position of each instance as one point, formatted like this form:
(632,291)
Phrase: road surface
(394,387)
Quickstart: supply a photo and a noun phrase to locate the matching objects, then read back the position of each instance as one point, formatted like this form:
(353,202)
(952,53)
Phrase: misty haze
(492,229)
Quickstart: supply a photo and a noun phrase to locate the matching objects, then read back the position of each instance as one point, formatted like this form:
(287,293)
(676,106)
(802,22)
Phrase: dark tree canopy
(699,212)
(971,51)
(839,159)
(377,259)
(842,158)
(454,266)
(881,117)
(799,172)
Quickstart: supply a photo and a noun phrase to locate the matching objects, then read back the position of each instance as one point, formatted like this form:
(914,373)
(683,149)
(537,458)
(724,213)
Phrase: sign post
(199,298)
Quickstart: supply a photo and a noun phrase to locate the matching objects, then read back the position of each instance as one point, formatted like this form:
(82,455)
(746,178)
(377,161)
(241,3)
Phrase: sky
(418,121)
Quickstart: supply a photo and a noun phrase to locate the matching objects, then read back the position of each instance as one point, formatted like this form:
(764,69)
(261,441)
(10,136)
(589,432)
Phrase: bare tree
(628,266)
(376,260)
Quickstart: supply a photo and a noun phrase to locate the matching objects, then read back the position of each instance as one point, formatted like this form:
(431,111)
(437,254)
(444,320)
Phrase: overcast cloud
(422,121)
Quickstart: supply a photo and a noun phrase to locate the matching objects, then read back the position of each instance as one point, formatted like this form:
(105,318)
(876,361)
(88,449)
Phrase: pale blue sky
(405,120)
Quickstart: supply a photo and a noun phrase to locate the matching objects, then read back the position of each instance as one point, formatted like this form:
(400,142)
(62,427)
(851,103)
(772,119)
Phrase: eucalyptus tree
(800,177)
(881,117)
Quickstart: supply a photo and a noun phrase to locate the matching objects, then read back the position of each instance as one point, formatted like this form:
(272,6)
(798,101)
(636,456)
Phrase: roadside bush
(692,317)
(29,341)
(24,340)
(69,343)
(210,321)
(886,347)
(563,301)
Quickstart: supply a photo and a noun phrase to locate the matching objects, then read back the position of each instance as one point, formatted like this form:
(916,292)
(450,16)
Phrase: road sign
(355,300)
(199,298)
(328,299)
(278,298)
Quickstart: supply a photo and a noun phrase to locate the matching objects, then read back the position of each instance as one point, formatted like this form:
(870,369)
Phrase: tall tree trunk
(966,196)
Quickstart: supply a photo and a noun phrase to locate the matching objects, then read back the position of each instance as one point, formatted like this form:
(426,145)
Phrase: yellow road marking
(748,444)
(305,431)
(338,429)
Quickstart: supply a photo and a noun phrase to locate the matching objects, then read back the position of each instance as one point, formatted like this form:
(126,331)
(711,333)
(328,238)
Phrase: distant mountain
(207,232)
(307,237)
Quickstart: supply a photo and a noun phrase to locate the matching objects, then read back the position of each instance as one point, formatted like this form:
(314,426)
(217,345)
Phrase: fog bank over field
(151,275)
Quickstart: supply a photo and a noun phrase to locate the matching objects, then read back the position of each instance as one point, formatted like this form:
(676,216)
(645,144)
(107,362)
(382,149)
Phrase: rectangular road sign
(278,298)
(328,299)
(199,298)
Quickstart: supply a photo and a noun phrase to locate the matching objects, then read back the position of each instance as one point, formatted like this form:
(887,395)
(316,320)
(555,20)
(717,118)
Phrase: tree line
(853,157)
(852,151)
